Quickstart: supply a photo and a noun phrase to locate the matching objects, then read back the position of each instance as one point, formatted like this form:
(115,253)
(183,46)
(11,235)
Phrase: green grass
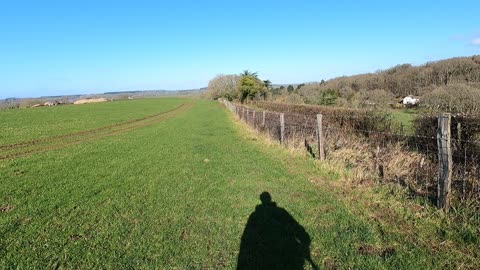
(31,123)
(405,117)
(176,195)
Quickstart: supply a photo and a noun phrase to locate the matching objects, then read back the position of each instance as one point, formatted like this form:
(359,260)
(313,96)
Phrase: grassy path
(177,195)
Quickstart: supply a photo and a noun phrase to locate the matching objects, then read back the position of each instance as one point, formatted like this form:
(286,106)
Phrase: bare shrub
(223,86)
(362,121)
(294,98)
(454,98)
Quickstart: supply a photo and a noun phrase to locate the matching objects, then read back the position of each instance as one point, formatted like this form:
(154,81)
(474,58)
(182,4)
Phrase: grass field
(405,117)
(180,191)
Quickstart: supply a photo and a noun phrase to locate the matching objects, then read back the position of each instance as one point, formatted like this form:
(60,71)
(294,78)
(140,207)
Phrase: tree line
(243,87)
(447,85)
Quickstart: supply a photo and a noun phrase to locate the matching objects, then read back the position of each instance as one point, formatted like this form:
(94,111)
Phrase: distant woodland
(448,85)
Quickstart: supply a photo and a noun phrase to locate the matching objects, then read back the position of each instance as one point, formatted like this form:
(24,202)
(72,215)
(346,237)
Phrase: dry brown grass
(365,160)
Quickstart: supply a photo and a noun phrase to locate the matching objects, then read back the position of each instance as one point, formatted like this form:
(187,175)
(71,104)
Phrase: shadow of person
(273,239)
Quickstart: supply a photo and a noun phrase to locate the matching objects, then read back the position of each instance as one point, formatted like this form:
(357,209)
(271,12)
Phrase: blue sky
(69,47)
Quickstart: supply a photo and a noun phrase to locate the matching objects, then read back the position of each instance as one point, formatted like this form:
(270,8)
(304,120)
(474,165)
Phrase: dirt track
(56,142)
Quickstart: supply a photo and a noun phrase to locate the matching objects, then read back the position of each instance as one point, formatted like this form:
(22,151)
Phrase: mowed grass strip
(174,195)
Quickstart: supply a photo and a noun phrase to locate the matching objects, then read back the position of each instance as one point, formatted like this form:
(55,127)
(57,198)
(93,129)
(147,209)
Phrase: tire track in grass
(164,116)
(24,144)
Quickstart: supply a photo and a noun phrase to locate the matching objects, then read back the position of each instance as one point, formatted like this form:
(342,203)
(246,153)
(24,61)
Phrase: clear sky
(83,46)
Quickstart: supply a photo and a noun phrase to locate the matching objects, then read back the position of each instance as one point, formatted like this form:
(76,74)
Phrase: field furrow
(21,149)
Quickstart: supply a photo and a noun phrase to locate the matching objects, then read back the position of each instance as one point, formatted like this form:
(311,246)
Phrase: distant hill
(26,102)
(406,79)
(143,93)
(146,93)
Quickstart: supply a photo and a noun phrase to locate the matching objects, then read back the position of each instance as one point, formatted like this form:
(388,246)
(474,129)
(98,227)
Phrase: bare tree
(223,86)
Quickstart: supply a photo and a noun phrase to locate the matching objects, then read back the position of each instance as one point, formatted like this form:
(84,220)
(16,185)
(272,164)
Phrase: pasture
(174,184)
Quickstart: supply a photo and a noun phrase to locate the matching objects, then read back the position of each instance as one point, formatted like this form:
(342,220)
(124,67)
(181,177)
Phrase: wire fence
(441,165)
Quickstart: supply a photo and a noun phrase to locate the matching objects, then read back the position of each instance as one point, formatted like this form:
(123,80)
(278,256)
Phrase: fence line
(452,171)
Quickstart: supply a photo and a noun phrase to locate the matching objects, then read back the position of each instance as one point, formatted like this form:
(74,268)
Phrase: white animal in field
(410,100)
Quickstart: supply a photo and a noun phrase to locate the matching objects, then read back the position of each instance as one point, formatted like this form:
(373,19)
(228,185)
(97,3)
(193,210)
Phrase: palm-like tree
(248,73)
(267,83)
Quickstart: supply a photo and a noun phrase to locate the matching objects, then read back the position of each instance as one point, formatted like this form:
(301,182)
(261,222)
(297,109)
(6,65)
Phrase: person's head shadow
(273,239)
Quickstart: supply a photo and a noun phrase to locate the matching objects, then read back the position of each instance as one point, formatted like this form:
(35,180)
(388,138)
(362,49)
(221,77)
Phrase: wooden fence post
(246,118)
(282,128)
(243,113)
(253,124)
(263,119)
(445,161)
(321,152)
(459,135)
